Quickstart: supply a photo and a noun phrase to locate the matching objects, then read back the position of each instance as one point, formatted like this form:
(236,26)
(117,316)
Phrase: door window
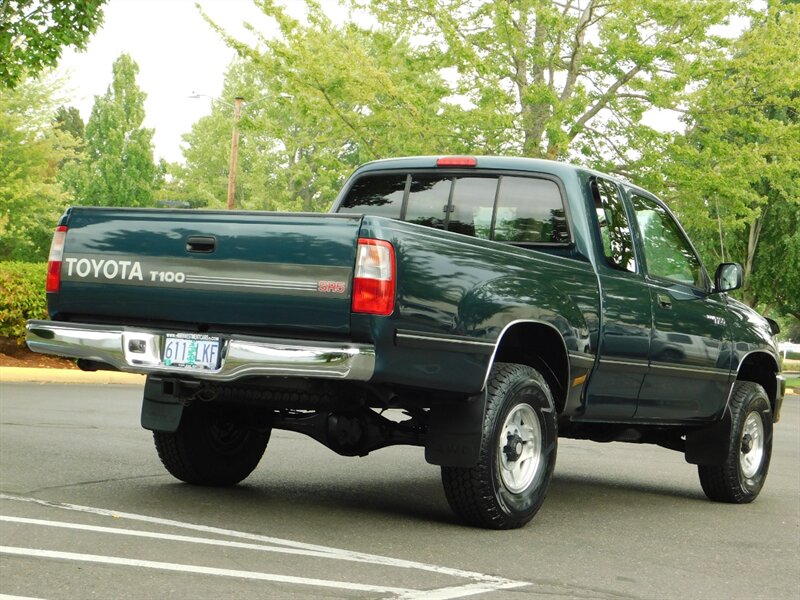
(666,250)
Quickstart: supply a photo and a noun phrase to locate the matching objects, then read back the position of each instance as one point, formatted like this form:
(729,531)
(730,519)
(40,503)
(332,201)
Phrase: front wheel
(215,444)
(508,485)
(740,478)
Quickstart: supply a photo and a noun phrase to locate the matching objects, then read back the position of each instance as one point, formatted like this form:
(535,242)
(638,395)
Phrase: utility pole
(237,113)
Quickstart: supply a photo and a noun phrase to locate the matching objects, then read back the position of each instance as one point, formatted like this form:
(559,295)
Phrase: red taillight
(457,161)
(373,280)
(54,260)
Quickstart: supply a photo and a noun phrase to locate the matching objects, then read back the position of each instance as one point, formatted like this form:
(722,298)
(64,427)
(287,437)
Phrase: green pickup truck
(477,307)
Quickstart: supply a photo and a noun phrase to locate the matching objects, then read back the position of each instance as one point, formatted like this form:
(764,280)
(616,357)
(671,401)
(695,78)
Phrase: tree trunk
(752,245)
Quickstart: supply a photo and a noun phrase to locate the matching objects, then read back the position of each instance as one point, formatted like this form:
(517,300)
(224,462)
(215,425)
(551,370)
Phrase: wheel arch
(541,346)
(761,368)
(704,446)
(455,430)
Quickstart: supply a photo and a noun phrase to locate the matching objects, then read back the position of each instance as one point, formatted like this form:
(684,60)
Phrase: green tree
(175,189)
(322,99)
(531,77)
(68,118)
(31,150)
(563,79)
(33,34)
(207,148)
(72,172)
(737,168)
(775,281)
(119,169)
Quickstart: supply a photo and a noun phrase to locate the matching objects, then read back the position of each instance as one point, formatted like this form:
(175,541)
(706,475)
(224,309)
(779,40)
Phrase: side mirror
(728,277)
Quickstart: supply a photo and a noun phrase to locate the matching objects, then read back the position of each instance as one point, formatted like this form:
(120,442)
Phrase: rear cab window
(516,209)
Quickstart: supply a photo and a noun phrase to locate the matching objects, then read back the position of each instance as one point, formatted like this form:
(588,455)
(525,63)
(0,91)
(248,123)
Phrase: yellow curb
(26,375)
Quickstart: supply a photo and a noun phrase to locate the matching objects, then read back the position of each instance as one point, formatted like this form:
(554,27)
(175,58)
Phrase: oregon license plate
(191,351)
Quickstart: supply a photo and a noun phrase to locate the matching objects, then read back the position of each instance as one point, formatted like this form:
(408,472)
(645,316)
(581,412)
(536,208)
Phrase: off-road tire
(740,478)
(488,494)
(214,445)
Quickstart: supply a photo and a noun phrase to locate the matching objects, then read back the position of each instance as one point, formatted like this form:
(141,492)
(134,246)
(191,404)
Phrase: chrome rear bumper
(137,350)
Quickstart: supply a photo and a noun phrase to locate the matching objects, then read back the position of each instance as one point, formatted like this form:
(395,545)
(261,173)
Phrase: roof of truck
(497,163)
(514,163)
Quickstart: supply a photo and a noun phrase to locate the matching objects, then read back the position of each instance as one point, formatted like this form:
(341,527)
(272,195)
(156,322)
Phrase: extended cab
(477,307)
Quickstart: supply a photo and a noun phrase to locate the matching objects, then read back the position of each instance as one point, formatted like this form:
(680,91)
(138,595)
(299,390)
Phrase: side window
(379,195)
(530,210)
(666,249)
(614,228)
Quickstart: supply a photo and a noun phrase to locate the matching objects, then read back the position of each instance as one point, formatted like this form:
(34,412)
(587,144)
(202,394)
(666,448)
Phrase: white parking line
(480,583)
(166,536)
(460,591)
(163,566)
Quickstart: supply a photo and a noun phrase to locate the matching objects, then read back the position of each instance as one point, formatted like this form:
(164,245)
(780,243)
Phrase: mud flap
(454,433)
(160,411)
(709,445)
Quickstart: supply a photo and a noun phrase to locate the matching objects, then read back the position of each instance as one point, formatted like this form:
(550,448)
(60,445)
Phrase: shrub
(23,297)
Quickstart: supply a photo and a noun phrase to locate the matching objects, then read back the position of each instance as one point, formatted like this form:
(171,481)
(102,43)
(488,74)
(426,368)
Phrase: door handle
(201,243)
(664,301)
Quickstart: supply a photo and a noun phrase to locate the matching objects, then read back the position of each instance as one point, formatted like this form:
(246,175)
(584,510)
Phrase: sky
(177,53)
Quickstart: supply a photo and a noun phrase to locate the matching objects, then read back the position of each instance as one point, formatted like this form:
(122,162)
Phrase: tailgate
(215,270)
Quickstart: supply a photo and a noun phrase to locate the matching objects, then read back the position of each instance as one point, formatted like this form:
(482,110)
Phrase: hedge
(22,297)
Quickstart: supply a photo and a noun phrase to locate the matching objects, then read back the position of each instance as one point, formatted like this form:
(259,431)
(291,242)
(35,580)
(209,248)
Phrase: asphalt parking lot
(87,511)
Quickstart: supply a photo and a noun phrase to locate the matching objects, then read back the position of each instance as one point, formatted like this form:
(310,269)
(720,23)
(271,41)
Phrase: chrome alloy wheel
(751,452)
(519,448)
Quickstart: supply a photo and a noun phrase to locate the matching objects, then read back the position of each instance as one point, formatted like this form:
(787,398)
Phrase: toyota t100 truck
(478,307)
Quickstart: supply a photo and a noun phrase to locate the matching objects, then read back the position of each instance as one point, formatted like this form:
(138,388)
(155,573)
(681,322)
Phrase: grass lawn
(793,382)
(790,365)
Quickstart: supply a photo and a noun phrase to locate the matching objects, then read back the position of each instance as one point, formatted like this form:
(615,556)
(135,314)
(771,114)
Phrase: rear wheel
(517,456)
(740,478)
(213,445)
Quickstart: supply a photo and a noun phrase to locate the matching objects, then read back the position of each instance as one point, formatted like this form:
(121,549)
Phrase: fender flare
(455,429)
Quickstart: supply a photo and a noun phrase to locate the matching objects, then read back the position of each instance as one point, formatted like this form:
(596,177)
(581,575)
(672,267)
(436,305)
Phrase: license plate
(191,351)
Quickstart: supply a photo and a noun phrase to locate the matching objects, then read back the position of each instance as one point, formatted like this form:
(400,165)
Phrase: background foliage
(118,169)
(31,150)
(563,79)
(734,177)
(23,297)
(34,32)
